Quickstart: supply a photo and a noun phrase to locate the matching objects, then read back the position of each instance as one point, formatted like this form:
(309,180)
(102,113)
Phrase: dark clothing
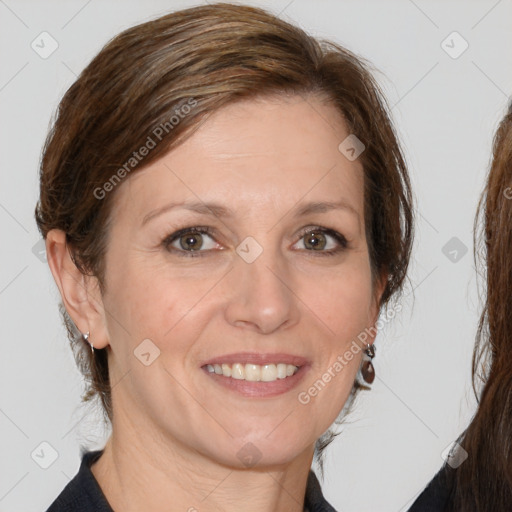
(83,493)
(437,495)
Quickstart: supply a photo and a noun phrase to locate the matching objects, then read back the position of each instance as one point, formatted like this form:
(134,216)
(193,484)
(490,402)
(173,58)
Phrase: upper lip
(257,358)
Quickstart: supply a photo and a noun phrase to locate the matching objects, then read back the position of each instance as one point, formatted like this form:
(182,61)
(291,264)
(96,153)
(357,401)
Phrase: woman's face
(283,274)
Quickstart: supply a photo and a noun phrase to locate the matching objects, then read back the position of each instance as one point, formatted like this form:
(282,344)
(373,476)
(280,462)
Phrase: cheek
(343,300)
(153,303)
(344,308)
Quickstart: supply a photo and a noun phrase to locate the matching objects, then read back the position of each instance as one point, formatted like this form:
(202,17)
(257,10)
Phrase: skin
(176,434)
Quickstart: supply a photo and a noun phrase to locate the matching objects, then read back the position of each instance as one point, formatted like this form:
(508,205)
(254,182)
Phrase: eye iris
(191,241)
(314,240)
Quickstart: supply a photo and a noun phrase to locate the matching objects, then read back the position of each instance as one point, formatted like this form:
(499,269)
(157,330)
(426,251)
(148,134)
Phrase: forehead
(268,151)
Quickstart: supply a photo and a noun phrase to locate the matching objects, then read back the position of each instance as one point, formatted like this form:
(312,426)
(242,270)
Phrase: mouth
(257,375)
(254,372)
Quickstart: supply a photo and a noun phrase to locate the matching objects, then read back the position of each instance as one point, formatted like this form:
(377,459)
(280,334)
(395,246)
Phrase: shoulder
(82,493)
(315,501)
(437,495)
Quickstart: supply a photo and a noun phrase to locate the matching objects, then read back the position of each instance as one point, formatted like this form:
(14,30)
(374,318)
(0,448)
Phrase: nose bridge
(260,264)
(260,290)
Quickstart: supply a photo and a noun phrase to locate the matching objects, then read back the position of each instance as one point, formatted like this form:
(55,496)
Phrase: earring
(86,338)
(367,369)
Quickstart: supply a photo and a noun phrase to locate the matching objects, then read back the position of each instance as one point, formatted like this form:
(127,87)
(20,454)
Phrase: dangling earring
(367,369)
(86,338)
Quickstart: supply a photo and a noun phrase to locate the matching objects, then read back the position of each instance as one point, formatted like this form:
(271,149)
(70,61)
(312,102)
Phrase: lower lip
(259,389)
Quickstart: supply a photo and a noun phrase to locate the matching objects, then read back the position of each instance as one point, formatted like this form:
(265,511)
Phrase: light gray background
(446,111)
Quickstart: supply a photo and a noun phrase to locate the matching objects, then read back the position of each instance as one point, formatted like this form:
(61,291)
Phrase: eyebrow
(217,210)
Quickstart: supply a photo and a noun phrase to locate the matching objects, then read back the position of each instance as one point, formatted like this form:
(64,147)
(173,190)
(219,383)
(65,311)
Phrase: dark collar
(83,493)
(437,496)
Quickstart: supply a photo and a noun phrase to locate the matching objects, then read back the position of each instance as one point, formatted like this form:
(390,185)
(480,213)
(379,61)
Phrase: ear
(80,293)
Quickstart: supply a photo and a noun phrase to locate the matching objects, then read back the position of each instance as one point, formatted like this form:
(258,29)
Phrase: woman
(480,477)
(226,211)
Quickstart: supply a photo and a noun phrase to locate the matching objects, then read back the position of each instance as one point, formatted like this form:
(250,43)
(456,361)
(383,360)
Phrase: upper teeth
(254,372)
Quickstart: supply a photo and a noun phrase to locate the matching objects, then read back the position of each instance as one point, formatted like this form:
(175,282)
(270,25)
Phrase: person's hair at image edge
(209,56)
(484,480)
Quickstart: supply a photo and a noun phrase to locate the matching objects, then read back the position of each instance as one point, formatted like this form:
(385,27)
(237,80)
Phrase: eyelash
(205,230)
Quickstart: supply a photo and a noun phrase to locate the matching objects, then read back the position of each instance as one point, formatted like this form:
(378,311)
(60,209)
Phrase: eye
(193,241)
(188,241)
(323,240)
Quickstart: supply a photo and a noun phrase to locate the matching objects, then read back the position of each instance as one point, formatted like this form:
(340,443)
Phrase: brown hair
(484,481)
(186,65)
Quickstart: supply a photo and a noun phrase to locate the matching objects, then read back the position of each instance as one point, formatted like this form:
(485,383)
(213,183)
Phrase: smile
(254,372)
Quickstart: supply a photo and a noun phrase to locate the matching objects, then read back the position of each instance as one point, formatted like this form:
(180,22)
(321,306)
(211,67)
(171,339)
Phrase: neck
(138,471)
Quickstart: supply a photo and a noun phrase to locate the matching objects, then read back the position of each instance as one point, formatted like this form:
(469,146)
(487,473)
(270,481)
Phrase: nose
(260,294)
